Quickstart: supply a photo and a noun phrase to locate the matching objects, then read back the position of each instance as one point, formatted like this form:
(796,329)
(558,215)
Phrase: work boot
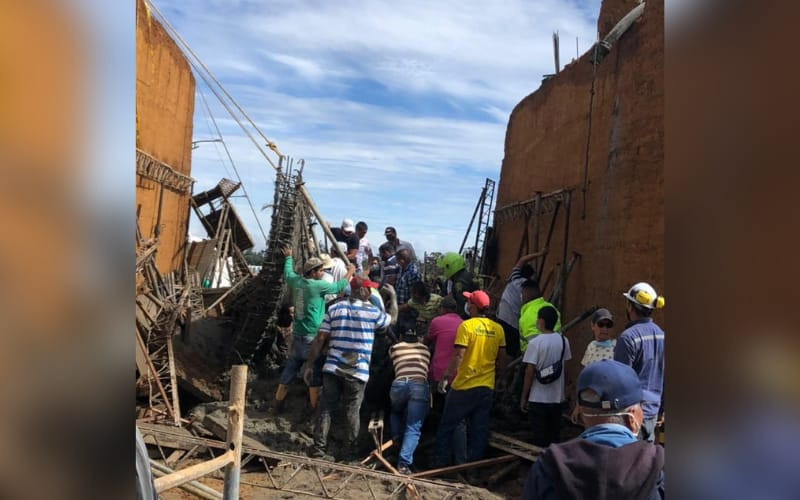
(280,398)
(279,406)
(404,470)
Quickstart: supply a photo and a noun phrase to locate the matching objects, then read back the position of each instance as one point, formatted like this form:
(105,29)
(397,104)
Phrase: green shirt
(309,306)
(528,315)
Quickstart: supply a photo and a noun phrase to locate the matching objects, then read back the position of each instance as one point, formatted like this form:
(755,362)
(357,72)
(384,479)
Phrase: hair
(527,272)
(386,247)
(419,287)
(449,304)
(404,254)
(549,315)
(641,311)
(285,316)
(361,225)
(407,324)
(607,416)
(532,286)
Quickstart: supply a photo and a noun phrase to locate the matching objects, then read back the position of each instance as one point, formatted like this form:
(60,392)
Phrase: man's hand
(523,405)
(287,251)
(389,289)
(573,416)
(441,387)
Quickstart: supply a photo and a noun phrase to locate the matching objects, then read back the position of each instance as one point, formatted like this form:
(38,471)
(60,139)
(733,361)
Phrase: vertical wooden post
(325,229)
(235,428)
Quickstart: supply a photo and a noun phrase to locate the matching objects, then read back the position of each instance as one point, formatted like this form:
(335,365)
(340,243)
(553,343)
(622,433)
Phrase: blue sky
(398,108)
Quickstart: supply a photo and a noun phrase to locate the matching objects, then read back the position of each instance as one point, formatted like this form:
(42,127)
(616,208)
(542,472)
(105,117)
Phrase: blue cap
(616,383)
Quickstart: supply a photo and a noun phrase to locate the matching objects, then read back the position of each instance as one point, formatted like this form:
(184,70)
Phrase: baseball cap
(348,226)
(311,263)
(327,262)
(478,297)
(602,313)
(357,282)
(616,383)
(390,230)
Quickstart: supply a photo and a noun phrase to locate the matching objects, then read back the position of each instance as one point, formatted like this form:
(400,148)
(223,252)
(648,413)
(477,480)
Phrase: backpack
(550,374)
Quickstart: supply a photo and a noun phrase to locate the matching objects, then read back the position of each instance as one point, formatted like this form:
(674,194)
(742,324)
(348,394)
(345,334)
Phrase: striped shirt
(352,326)
(410,359)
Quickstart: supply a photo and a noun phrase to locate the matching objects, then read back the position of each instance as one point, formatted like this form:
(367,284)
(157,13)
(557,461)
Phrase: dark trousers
(512,339)
(470,405)
(349,393)
(546,423)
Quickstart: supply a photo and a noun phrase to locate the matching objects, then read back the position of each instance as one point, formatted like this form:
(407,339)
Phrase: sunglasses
(605,324)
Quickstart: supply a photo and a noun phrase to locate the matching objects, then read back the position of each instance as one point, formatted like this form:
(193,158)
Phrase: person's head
(528,272)
(530,291)
(448,305)
(609,392)
(313,268)
(386,250)
(348,227)
(602,322)
(361,288)
(450,263)
(361,229)
(420,293)
(390,233)
(546,319)
(641,300)
(327,261)
(403,257)
(406,325)
(477,303)
(285,315)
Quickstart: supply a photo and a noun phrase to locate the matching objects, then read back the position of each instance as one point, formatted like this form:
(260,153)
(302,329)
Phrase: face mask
(466,308)
(603,343)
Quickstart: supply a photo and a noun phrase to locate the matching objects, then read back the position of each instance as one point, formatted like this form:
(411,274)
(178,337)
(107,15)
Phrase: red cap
(478,297)
(357,282)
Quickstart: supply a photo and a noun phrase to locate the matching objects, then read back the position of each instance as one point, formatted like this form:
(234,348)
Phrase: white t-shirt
(543,351)
(595,352)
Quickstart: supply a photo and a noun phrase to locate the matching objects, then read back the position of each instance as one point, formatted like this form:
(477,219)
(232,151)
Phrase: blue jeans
(647,431)
(298,353)
(410,403)
(472,405)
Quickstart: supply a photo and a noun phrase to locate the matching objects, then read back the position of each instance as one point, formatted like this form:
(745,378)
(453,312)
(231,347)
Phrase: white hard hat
(643,294)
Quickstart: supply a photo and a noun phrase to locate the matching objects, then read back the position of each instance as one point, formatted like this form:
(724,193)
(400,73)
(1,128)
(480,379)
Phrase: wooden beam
(468,465)
(192,487)
(177,478)
(235,428)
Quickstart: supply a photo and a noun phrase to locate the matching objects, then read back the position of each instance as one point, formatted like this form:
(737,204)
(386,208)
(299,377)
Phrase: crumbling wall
(619,231)
(164,112)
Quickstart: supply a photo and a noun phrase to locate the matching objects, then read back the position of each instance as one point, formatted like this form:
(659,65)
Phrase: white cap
(643,294)
(348,226)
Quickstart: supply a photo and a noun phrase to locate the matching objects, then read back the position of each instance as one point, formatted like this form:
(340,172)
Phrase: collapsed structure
(582,178)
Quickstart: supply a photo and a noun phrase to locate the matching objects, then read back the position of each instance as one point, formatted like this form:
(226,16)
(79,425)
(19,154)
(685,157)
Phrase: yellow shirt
(483,339)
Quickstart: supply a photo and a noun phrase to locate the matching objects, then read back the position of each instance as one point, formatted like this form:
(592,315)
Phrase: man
(511,302)
(442,335)
(397,243)
(364,248)
(479,347)
(459,280)
(641,345)
(348,328)
(347,234)
(308,291)
(606,461)
(543,389)
(409,274)
(425,303)
(389,267)
(532,301)
(410,393)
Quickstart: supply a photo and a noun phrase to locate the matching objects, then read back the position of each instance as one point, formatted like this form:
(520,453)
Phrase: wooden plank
(177,478)
(235,427)
(466,466)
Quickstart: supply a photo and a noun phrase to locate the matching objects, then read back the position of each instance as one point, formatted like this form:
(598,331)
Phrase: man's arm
(526,386)
(288,270)
(391,303)
(455,361)
(625,351)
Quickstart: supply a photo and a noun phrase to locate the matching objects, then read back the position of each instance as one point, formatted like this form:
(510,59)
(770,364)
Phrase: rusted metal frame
(140,345)
(565,268)
(549,237)
(223,296)
(525,203)
(300,186)
(472,220)
(322,483)
(481,204)
(558,290)
(523,241)
(466,466)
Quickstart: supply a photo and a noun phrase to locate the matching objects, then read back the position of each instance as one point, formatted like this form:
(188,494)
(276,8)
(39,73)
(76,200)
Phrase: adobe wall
(620,239)
(164,112)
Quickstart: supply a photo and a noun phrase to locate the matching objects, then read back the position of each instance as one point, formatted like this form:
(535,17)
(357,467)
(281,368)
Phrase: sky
(399,109)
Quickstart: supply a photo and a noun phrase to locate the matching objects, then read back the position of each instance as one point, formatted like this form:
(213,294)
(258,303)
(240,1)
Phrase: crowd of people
(450,355)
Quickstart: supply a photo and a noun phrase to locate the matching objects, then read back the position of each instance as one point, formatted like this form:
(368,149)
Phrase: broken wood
(235,429)
(177,478)
(322,223)
(193,487)
(466,466)
(497,476)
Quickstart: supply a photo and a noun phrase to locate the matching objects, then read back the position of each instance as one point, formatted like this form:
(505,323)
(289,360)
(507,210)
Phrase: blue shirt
(408,277)
(614,435)
(641,346)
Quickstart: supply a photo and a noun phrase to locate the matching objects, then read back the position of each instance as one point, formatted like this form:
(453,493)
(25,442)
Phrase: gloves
(441,387)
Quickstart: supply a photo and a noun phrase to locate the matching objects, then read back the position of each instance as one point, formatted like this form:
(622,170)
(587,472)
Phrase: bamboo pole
(190,473)
(325,229)
(235,428)
(192,487)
